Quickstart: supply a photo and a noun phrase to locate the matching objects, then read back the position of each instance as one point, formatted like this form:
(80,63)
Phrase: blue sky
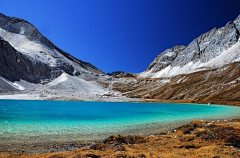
(126,35)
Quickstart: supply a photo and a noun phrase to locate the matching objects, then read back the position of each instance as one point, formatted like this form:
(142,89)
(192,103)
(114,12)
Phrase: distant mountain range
(205,70)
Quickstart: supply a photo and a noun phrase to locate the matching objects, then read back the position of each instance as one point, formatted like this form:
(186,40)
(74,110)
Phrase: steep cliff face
(26,54)
(198,54)
(16,66)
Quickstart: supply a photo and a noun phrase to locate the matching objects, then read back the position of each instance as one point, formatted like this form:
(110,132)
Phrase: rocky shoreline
(196,139)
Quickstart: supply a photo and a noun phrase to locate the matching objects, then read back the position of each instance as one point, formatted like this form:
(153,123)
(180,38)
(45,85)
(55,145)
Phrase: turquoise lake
(72,121)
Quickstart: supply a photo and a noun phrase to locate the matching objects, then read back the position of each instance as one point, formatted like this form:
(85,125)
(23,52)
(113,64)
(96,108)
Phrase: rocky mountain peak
(37,52)
(206,47)
(236,24)
(20,26)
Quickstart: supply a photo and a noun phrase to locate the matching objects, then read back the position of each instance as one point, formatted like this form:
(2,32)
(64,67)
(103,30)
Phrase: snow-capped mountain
(26,54)
(215,48)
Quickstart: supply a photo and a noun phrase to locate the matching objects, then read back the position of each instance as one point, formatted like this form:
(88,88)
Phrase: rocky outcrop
(165,58)
(20,26)
(115,73)
(120,74)
(26,54)
(208,45)
(16,66)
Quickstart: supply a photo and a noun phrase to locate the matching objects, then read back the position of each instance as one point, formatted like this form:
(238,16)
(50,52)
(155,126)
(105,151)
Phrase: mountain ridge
(26,39)
(202,49)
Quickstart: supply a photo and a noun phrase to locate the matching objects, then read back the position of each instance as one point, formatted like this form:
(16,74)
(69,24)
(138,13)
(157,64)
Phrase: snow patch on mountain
(163,72)
(37,50)
(32,49)
(228,56)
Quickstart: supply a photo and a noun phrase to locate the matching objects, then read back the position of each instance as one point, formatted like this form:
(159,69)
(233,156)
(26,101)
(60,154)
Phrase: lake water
(38,121)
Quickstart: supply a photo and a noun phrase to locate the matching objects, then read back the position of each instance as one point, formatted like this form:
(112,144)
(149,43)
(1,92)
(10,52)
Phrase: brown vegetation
(196,139)
(216,86)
